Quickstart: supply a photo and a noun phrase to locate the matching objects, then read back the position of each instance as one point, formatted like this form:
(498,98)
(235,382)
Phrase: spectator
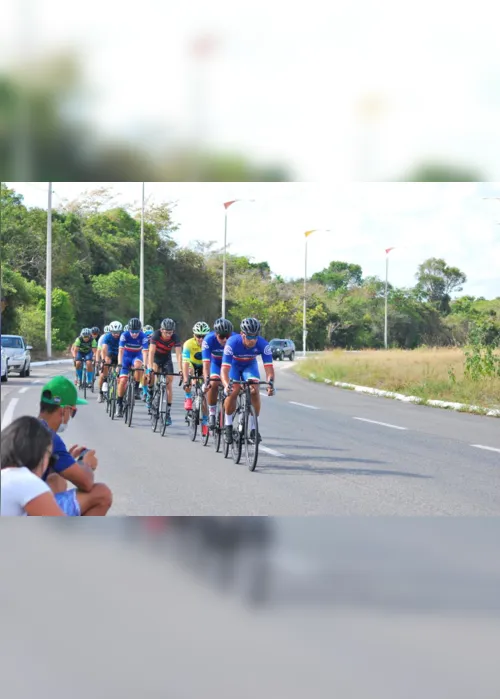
(57,406)
(26,453)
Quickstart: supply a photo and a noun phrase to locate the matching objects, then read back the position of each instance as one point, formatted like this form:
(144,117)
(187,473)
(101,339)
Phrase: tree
(339,275)
(436,281)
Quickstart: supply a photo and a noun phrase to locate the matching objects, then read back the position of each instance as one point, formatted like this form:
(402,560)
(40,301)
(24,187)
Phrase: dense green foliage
(95,275)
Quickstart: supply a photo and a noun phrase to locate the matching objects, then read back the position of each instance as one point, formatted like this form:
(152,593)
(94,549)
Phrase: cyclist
(192,365)
(163,341)
(132,343)
(83,350)
(212,351)
(148,330)
(239,362)
(109,352)
(99,343)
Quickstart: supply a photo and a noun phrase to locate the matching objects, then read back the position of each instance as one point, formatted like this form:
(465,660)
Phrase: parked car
(18,354)
(282,349)
(5,367)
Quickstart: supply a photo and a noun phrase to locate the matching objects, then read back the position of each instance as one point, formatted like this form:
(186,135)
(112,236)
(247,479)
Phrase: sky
(284,85)
(355,223)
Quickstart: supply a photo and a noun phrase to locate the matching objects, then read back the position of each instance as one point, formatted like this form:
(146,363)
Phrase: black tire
(28,370)
(84,380)
(155,413)
(131,401)
(280,356)
(164,412)
(219,426)
(251,448)
(193,425)
(5,378)
(237,445)
(292,356)
(22,373)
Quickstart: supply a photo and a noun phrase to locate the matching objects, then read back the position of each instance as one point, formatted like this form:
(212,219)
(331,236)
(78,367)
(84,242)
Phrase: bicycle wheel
(193,417)
(112,398)
(155,410)
(131,398)
(165,411)
(84,380)
(219,426)
(251,445)
(204,437)
(237,445)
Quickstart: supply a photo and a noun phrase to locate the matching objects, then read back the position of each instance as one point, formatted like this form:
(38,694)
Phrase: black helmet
(167,324)
(250,326)
(95,330)
(223,327)
(134,325)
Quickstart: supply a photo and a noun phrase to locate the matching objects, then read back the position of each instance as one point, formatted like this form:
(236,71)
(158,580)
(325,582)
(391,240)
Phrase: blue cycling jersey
(134,345)
(235,352)
(111,343)
(212,350)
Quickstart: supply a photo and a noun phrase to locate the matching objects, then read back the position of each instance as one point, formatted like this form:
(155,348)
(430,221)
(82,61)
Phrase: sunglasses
(73,410)
(251,337)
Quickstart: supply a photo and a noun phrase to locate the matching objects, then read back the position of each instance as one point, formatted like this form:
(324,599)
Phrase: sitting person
(57,406)
(26,453)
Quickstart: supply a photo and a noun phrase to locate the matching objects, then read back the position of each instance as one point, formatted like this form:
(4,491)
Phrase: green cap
(63,392)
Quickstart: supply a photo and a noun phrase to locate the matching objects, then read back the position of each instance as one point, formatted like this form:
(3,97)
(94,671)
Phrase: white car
(18,354)
(5,368)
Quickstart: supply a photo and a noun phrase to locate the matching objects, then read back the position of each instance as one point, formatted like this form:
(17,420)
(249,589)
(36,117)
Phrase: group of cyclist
(216,355)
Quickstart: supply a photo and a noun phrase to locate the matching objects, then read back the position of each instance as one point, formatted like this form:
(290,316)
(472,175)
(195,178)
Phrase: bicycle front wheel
(219,426)
(237,445)
(251,445)
(131,401)
(84,380)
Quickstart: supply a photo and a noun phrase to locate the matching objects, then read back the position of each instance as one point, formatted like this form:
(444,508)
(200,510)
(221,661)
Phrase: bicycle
(241,425)
(195,415)
(218,429)
(159,408)
(129,397)
(110,392)
(83,382)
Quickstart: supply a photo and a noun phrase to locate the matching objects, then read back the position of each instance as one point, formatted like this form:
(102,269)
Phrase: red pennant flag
(388,250)
(227,204)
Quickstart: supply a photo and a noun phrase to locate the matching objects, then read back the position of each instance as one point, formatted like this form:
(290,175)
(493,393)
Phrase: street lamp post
(227,204)
(48,278)
(141,292)
(388,250)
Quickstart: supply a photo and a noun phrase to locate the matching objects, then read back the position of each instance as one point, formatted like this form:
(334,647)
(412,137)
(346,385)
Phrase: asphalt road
(327,451)
(84,610)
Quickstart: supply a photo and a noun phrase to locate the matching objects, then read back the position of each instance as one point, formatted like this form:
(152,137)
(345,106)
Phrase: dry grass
(424,372)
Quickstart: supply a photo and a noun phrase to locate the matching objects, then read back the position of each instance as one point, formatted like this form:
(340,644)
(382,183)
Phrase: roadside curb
(52,361)
(461,407)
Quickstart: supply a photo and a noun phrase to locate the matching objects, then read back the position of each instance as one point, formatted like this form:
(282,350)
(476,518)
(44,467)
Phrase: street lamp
(304,317)
(227,204)
(48,278)
(388,250)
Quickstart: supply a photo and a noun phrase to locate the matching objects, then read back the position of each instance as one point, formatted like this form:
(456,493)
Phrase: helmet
(106,329)
(201,328)
(115,327)
(167,324)
(86,332)
(148,329)
(125,328)
(134,325)
(223,327)
(95,330)
(250,326)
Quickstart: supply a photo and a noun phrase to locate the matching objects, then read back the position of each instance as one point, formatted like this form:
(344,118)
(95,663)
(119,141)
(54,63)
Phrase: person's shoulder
(233,339)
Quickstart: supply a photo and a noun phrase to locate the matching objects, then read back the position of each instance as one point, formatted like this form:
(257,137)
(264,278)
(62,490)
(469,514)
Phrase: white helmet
(125,328)
(115,327)
(106,329)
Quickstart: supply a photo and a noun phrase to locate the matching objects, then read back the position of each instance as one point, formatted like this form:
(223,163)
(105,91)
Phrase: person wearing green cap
(77,465)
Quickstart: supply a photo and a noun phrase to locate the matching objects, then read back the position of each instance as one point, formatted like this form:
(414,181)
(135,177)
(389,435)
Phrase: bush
(32,328)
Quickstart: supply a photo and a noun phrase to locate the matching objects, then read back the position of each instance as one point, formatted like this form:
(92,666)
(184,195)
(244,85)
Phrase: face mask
(62,428)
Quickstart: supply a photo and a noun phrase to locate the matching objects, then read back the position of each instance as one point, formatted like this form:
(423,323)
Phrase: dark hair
(48,408)
(24,443)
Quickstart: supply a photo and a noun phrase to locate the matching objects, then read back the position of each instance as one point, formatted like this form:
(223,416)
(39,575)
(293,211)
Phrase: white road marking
(264,394)
(480,446)
(303,405)
(23,390)
(9,413)
(272,452)
(376,422)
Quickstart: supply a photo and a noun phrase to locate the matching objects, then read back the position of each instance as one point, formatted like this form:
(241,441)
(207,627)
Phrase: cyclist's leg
(169,369)
(78,367)
(230,403)
(123,381)
(104,373)
(138,376)
(212,393)
(251,373)
(90,370)
(188,395)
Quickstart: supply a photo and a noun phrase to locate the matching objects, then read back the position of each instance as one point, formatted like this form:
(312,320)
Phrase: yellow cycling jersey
(191,352)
